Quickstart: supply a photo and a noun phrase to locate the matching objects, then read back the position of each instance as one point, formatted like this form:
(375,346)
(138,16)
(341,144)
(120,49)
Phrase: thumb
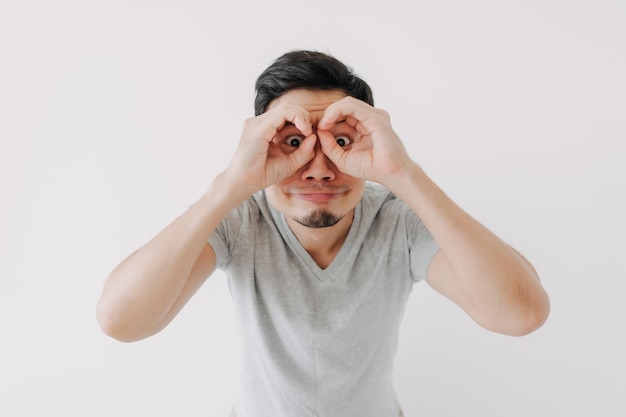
(330,148)
(304,153)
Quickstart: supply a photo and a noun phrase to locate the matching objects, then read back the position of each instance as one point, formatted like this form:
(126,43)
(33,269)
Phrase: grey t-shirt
(321,342)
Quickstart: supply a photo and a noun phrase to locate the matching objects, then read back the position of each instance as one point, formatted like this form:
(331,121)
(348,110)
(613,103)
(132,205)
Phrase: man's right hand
(259,162)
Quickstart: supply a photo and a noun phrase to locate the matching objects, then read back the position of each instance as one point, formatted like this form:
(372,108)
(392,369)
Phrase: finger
(304,153)
(348,109)
(330,148)
(302,121)
(278,117)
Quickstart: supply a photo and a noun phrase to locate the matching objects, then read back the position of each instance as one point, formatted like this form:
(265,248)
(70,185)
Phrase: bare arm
(146,291)
(488,279)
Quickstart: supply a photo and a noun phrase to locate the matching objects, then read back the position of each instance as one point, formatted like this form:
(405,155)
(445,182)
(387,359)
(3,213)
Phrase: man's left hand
(376,155)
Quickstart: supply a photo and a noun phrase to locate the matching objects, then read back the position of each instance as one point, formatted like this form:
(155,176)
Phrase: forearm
(142,289)
(498,286)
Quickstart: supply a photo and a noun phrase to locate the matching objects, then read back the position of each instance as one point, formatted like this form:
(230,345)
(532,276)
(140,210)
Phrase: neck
(322,243)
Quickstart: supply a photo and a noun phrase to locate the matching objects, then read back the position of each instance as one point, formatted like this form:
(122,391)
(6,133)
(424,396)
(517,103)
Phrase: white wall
(114,117)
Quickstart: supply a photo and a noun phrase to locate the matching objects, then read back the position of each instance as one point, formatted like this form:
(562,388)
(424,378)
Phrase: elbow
(538,315)
(107,323)
(113,325)
(518,318)
(532,317)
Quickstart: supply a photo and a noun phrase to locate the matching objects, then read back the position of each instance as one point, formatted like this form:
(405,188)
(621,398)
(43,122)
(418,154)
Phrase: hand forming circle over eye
(273,146)
(377,153)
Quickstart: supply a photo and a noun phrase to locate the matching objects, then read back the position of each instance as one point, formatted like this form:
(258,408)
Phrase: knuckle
(249,122)
(383,113)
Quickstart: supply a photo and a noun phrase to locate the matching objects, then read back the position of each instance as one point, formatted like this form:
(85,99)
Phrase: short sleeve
(423,246)
(224,238)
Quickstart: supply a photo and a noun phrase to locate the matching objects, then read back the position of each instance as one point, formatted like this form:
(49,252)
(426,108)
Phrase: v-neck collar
(305,257)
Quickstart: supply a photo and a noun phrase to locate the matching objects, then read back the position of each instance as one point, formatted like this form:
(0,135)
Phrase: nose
(320,168)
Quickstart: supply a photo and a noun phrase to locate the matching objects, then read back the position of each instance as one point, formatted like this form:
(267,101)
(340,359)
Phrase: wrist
(227,192)
(403,179)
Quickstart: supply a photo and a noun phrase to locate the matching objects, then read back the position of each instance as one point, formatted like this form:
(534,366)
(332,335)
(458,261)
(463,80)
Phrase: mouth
(318,195)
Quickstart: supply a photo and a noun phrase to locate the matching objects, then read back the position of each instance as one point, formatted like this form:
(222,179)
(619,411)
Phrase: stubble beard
(318,219)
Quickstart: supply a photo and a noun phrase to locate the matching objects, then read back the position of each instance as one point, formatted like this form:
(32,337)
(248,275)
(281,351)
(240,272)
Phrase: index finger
(348,109)
(284,114)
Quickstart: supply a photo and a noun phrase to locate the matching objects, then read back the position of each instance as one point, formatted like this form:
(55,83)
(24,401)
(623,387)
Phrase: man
(322,223)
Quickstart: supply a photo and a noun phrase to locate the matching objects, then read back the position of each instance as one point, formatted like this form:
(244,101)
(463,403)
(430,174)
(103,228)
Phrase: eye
(343,140)
(293,140)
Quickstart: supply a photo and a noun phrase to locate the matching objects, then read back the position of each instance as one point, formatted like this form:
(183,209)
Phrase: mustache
(320,188)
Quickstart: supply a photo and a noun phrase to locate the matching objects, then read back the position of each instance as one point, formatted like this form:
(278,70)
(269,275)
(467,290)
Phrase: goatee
(317,219)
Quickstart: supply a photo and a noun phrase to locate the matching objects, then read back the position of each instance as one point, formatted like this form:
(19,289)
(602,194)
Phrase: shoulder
(242,219)
(376,195)
(377,198)
(381,207)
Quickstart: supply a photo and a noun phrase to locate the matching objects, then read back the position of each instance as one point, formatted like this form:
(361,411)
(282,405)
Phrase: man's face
(318,195)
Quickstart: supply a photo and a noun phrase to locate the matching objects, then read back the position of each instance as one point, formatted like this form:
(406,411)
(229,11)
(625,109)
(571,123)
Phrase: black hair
(309,70)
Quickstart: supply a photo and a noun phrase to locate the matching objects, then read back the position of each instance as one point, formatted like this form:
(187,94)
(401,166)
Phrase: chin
(318,219)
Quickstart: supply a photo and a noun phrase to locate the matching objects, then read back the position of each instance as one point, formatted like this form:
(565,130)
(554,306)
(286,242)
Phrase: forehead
(314,101)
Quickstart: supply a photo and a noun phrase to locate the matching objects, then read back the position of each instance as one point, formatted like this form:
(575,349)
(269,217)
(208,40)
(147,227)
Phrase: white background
(116,115)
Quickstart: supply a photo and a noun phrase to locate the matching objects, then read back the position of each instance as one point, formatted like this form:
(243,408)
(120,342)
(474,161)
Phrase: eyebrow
(288,123)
